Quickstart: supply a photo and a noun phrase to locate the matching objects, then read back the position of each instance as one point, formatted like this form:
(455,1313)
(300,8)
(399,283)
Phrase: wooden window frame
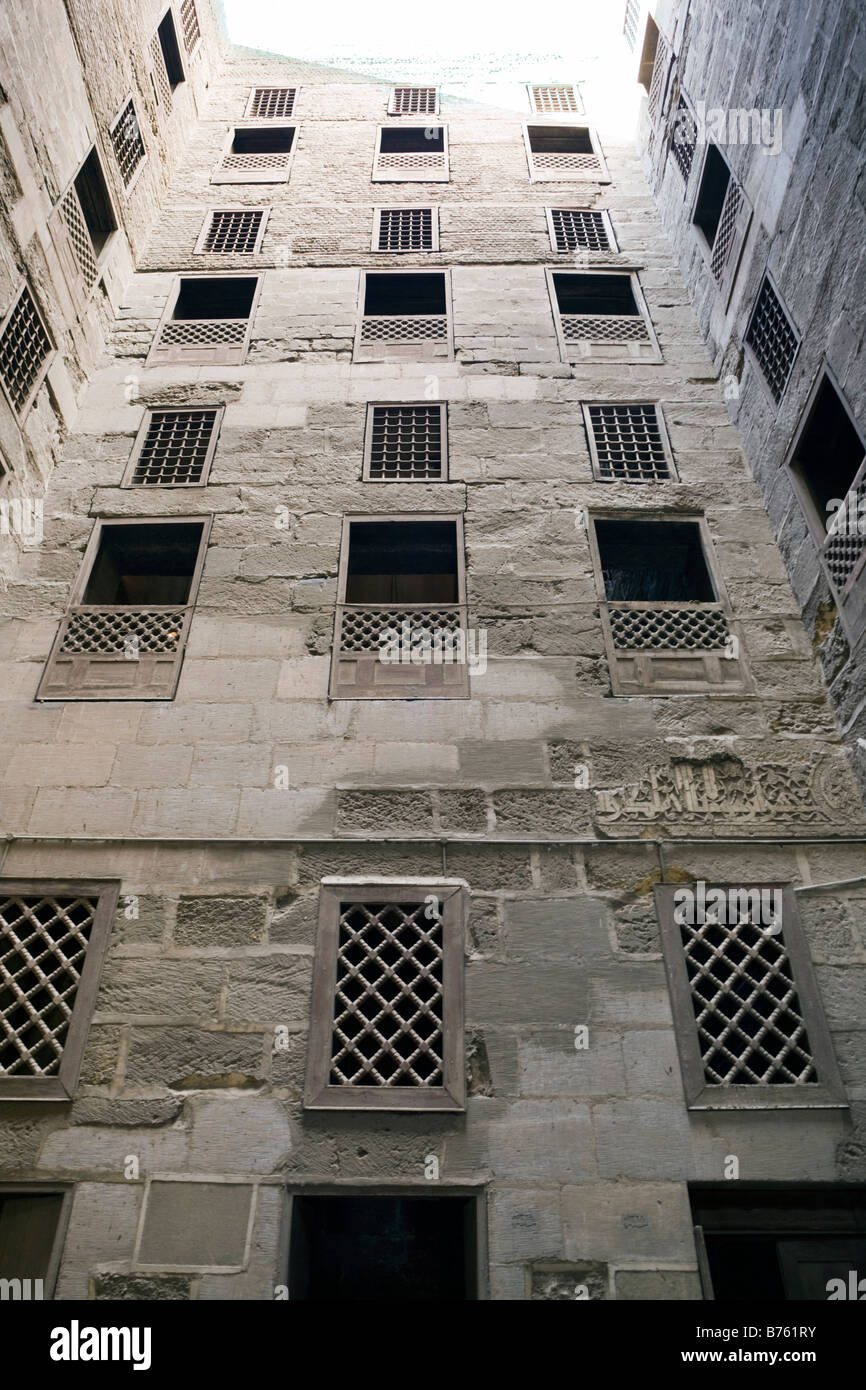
(240,176)
(269,87)
(20,413)
(451,1095)
(200,354)
(663,432)
(552,116)
(750,351)
(412,86)
(66,1191)
(416,687)
(432,208)
(442,175)
(128,187)
(613,351)
(141,436)
(76,688)
(80,291)
(62,1087)
(242,257)
(598,257)
(405,405)
(415,350)
(665,671)
(190,52)
(599,175)
(827,1093)
(725,284)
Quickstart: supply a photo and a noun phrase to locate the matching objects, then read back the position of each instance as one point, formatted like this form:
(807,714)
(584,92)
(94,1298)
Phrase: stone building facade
(406,657)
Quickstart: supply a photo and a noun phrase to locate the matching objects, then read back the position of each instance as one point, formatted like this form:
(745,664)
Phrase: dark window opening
(144,564)
(226,297)
(653,561)
(560,140)
(711,196)
(781,1243)
(595,294)
(416,140)
(28,1230)
(829,452)
(263,140)
(405,294)
(394,1248)
(170,50)
(95,203)
(402,562)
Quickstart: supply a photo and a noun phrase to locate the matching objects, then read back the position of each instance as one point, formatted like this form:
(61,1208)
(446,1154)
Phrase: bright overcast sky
(457,45)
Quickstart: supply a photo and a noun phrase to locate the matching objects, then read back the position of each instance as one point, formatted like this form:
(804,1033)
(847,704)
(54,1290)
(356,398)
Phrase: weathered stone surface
(585,1279)
(150,1288)
(220,921)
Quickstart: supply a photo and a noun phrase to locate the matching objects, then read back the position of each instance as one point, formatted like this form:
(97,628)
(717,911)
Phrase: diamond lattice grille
(576,228)
(233,231)
(406,442)
(120,630)
(161,84)
(79,236)
(406,229)
(724,239)
(773,340)
(685,138)
(697,629)
(189,22)
(415,161)
(629,443)
(128,144)
(175,448)
(846,539)
(629,28)
(388,1004)
(202,332)
(233,163)
(403,328)
(555,100)
(604,328)
(43,945)
(363,628)
(751,1027)
(272,103)
(567,161)
(413,101)
(24,346)
(657,82)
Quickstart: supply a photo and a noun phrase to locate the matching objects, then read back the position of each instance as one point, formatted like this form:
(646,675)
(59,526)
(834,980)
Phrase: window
(628,442)
(190,25)
(666,623)
(413,101)
(166,68)
(128,144)
(256,154)
(400,629)
(405,314)
(827,461)
(773,339)
(406,229)
(407,154)
(232,232)
(722,214)
(750,1027)
(555,101)
(206,319)
(52,941)
(33,1219)
(174,448)
(406,443)
(387,1006)
(407,1245)
(629,28)
(566,152)
(602,316)
(270,103)
(81,227)
(579,229)
(25,352)
(659,79)
(684,138)
(769,1243)
(124,633)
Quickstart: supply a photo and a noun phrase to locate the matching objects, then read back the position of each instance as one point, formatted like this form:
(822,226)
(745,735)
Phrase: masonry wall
(808,64)
(583,1156)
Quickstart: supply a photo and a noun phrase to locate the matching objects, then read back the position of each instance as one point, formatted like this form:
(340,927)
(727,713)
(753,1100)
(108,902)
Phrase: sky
(459,46)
